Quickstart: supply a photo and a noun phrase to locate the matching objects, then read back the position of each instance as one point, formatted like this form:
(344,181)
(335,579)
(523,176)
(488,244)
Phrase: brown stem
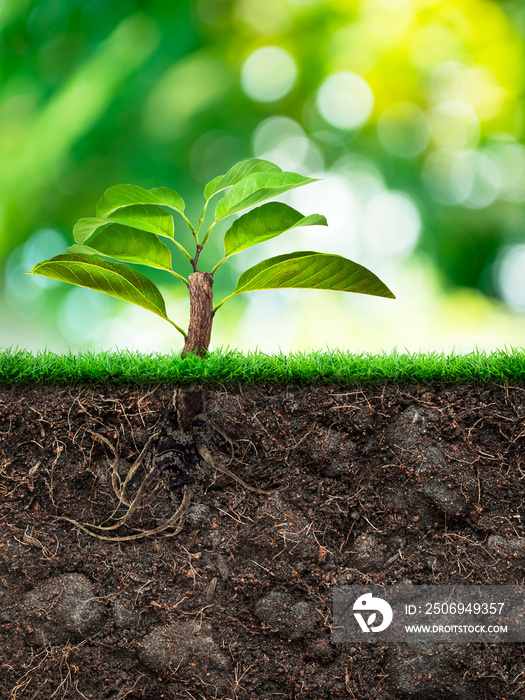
(201,314)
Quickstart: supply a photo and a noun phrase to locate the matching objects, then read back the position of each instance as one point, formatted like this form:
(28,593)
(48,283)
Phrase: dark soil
(374,484)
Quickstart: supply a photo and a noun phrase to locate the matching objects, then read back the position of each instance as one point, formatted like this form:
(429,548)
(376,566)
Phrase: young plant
(131,221)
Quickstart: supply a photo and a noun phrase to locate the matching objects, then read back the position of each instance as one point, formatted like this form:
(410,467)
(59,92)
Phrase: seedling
(129,226)
(131,221)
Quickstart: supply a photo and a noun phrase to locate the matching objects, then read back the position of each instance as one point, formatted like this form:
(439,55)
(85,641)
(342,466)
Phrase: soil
(280,493)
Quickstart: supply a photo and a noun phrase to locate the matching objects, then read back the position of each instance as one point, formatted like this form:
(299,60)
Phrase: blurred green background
(411,112)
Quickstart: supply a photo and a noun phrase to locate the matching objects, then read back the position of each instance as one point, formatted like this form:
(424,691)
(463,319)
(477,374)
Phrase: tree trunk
(201,314)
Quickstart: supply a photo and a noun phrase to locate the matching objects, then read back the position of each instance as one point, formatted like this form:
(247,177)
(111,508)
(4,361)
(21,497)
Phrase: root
(147,491)
(206,455)
(140,501)
(118,487)
(178,516)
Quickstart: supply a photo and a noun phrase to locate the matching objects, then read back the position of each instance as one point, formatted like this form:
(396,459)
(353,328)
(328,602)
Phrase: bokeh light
(392,225)
(454,126)
(268,74)
(345,100)
(284,141)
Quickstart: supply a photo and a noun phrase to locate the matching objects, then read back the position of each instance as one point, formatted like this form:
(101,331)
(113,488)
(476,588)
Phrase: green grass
(19,366)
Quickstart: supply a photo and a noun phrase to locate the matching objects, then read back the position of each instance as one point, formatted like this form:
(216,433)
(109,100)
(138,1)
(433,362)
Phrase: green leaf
(126,195)
(81,249)
(144,217)
(110,278)
(263,223)
(84,228)
(257,188)
(310,270)
(238,172)
(169,198)
(128,244)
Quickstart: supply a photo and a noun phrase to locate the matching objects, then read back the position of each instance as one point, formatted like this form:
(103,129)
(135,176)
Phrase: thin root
(141,500)
(206,455)
(177,516)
